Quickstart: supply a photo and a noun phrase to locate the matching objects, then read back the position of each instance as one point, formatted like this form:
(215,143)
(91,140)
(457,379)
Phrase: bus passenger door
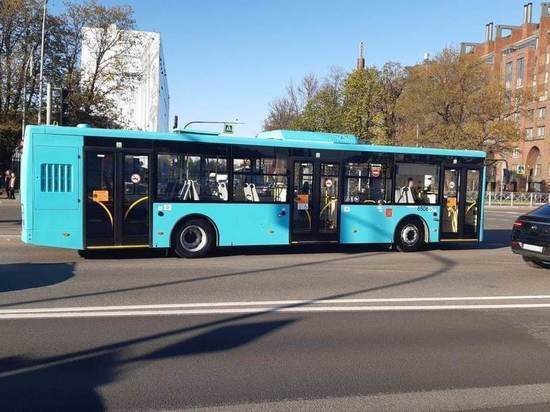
(315,210)
(100,198)
(117,199)
(134,219)
(461,203)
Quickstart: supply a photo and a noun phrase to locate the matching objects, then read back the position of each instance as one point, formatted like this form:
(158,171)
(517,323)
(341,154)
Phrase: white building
(143,102)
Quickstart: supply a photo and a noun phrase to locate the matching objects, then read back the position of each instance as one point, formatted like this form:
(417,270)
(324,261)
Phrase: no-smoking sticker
(135,178)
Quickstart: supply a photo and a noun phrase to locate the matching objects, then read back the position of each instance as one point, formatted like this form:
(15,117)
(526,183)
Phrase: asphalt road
(317,328)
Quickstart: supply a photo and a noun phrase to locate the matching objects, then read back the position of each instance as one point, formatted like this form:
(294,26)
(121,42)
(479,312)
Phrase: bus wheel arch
(411,233)
(194,235)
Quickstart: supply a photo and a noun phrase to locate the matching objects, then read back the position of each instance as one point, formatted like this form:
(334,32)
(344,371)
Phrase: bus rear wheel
(409,236)
(194,238)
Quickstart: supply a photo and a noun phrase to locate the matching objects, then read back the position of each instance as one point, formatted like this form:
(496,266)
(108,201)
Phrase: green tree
(323,113)
(323,110)
(285,111)
(10,136)
(392,78)
(362,97)
(454,101)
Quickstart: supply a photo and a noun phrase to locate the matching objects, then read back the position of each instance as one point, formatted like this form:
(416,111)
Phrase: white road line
(274,309)
(434,400)
(270,303)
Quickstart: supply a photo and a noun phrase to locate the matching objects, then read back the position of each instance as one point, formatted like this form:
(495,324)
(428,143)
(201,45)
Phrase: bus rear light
(518,224)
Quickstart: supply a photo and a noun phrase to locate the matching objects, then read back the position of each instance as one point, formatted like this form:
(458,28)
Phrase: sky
(228,59)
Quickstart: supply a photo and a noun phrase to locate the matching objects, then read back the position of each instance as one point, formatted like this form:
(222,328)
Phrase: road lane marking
(475,398)
(266,310)
(270,303)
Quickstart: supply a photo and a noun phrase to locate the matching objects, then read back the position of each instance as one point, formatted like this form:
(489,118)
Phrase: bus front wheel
(409,236)
(194,238)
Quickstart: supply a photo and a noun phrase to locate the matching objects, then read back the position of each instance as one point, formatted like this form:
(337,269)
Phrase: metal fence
(516,198)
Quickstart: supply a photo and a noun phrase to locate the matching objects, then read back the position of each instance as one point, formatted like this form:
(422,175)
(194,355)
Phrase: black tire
(194,238)
(409,235)
(535,263)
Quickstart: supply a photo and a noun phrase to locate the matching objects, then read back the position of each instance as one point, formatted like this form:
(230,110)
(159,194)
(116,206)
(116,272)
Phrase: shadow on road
(70,380)
(19,276)
(67,382)
(493,239)
(237,251)
(195,279)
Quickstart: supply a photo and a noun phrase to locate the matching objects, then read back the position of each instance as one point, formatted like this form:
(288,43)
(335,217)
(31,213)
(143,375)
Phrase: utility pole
(28,68)
(48,103)
(42,62)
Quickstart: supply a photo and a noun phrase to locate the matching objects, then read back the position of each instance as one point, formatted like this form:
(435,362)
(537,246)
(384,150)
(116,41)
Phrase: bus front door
(315,212)
(117,199)
(461,207)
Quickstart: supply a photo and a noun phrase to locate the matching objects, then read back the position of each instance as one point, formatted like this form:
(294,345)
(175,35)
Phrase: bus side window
(417,183)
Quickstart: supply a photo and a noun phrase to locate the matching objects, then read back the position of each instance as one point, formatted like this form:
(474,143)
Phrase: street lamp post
(28,68)
(42,62)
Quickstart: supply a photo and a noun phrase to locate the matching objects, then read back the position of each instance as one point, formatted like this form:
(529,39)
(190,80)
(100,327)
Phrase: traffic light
(64,107)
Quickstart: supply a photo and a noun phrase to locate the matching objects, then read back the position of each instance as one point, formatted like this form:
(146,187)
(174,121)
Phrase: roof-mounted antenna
(175,122)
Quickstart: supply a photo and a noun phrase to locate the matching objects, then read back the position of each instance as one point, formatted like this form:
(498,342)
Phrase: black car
(531,237)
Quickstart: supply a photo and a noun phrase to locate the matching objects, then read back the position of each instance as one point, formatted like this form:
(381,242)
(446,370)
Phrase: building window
(520,72)
(546,78)
(260,179)
(416,183)
(540,132)
(508,75)
(191,178)
(530,114)
(515,153)
(541,112)
(529,133)
(367,183)
(538,169)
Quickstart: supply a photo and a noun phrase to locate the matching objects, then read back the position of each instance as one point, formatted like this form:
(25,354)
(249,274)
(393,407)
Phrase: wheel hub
(410,234)
(193,238)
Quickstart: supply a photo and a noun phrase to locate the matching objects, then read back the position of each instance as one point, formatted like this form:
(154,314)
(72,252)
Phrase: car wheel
(409,236)
(536,263)
(195,238)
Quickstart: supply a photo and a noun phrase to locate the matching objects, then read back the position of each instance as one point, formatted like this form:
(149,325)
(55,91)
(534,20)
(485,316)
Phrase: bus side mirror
(505,176)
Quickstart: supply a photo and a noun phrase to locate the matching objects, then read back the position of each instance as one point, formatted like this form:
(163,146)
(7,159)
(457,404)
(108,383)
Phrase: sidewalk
(10,219)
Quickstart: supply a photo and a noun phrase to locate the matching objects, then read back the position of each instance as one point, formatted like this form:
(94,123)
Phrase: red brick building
(520,57)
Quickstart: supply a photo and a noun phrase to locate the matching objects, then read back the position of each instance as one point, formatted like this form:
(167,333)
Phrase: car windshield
(543,211)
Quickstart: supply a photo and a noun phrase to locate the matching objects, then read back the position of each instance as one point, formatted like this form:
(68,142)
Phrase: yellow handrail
(330,202)
(105,208)
(133,205)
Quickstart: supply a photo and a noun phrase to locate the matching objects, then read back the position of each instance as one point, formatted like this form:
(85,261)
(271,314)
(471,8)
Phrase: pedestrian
(7,178)
(12,186)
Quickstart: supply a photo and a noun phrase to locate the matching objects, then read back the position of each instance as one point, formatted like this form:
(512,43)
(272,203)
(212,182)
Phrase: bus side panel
(377,223)
(26,188)
(57,191)
(237,224)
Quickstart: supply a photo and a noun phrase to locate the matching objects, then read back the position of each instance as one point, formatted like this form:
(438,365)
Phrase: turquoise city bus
(85,188)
